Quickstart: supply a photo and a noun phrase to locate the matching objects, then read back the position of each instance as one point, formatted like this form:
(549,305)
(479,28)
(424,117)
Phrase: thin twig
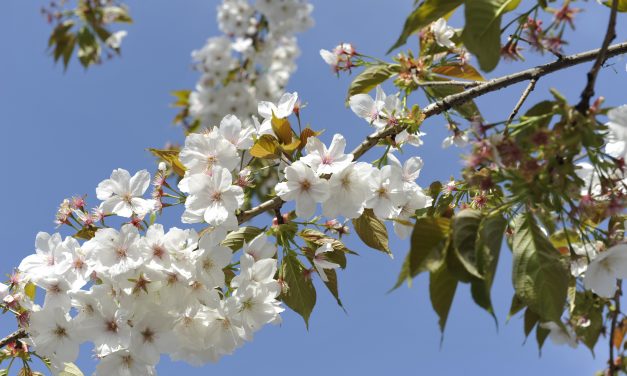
(456,100)
(523,98)
(18,334)
(612,367)
(464,84)
(610,34)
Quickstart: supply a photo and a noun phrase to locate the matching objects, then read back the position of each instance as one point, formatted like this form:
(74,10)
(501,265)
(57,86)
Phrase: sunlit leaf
(466,72)
(299,294)
(371,230)
(235,239)
(266,147)
(442,286)
(428,247)
(369,78)
(427,12)
(539,275)
(172,158)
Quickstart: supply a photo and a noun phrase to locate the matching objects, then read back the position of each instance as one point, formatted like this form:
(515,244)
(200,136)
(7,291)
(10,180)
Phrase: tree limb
(456,100)
(18,334)
(610,34)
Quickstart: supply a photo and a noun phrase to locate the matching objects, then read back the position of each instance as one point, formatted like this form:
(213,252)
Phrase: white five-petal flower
(122,194)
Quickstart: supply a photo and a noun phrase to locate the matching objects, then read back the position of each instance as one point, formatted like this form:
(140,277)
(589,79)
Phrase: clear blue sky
(61,134)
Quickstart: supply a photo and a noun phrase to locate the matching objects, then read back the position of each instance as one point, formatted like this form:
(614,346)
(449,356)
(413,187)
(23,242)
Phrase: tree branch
(612,367)
(610,34)
(456,100)
(523,98)
(18,334)
(495,84)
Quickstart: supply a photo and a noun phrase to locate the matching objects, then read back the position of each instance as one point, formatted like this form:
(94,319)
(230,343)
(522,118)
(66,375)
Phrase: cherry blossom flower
(617,136)
(231,129)
(203,152)
(50,258)
(327,161)
(213,199)
(387,192)
(114,252)
(304,187)
(604,269)
(122,194)
(560,335)
(283,109)
(260,248)
(350,188)
(54,335)
(115,40)
(443,33)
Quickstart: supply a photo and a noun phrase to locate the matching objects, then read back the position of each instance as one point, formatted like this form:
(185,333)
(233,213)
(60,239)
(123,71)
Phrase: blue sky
(62,133)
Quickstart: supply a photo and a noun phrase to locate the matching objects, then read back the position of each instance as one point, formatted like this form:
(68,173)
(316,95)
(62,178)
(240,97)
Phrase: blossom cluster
(139,296)
(252,61)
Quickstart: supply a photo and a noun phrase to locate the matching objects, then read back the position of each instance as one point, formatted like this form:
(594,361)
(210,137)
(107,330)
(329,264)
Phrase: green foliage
(370,77)
(482,31)
(539,274)
(622,5)
(465,230)
(85,29)
(70,369)
(442,286)
(427,248)
(589,308)
(30,290)
(86,232)
(300,293)
(235,239)
(171,157)
(372,231)
(487,250)
(427,12)
(266,147)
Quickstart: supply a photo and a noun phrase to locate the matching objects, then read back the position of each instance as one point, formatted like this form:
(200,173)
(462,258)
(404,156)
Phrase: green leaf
(235,239)
(465,230)
(282,129)
(331,284)
(541,334)
(540,277)
(587,307)
(266,147)
(622,5)
(30,290)
(315,239)
(172,158)
(4,372)
(71,370)
(300,294)
(466,72)
(442,286)
(428,247)
(531,319)
(482,31)
(516,306)
(86,233)
(372,231)
(427,12)
(369,78)
(488,248)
